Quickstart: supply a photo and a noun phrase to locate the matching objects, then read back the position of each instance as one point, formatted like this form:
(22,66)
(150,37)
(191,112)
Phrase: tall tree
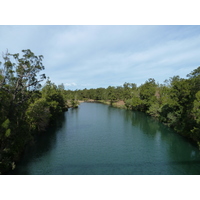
(19,78)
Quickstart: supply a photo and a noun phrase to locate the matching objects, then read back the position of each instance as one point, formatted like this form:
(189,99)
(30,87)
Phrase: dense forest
(27,108)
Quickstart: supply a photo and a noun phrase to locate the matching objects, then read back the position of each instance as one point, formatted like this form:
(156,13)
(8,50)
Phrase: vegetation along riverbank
(27,108)
(176,102)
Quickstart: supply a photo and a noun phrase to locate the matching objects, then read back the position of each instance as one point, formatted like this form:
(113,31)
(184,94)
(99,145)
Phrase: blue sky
(98,56)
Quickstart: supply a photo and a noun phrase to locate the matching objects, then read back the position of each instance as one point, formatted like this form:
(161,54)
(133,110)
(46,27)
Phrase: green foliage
(111,94)
(195,132)
(38,114)
(7,134)
(24,109)
(135,103)
(195,73)
(74,103)
(6,124)
(196,108)
(154,110)
(175,103)
(55,98)
(147,93)
(5,129)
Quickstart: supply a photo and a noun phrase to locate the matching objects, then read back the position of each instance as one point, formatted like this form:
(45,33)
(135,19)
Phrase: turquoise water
(99,139)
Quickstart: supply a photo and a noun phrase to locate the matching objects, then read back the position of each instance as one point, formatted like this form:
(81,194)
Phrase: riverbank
(102,140)
(117,104)
(121,104)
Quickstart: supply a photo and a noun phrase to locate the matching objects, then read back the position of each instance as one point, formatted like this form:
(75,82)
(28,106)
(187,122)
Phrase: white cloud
(70,84)
(98,56)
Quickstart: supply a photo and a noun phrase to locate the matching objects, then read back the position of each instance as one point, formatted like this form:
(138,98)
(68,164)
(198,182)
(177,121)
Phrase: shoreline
(121,104)
(117,104)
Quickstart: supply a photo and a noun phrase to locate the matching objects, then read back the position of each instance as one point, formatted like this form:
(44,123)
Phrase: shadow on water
(42,143)
(150,126)
(179,151)
(152,147)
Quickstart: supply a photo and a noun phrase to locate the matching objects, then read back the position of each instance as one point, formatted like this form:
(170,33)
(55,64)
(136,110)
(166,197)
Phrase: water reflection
(178,148)
(101,139)
(43,143)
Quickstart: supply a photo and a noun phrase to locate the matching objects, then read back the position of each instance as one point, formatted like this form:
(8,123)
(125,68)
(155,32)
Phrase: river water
(97,139)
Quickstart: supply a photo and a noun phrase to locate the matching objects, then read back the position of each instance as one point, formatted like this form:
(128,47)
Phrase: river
(97,139)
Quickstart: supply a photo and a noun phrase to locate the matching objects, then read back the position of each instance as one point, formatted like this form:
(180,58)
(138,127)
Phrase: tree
(38,115)
(21,75)
(111,94)
(134,103)
(196,114)
(19,79)
(195,73)
(61,87)
(55,98)
(147,92)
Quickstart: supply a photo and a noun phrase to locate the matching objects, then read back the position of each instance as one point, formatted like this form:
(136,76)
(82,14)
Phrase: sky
(89,56)
(98,56)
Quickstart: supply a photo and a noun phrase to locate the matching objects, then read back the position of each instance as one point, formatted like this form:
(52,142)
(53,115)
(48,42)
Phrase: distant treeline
(176,103)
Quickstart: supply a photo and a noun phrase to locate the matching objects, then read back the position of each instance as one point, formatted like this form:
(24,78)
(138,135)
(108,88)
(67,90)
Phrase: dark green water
(99,139)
